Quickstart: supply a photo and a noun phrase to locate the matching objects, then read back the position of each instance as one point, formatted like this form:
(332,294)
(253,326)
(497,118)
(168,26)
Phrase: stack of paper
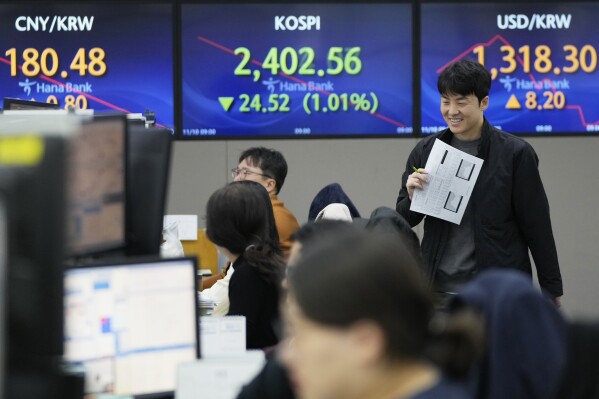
(206,305)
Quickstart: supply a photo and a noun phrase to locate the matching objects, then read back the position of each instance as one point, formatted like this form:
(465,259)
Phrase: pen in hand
(415,169)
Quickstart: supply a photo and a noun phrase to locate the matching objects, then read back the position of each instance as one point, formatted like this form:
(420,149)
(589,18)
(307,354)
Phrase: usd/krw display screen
(94,56)
(542,58)
(291,69)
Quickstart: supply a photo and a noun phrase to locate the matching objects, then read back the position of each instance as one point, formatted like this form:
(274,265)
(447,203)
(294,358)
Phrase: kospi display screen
(292,70)
(542,58)
(111,56)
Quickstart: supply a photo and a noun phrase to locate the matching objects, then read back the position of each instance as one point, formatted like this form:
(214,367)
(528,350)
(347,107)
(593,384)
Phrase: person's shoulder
(245,278)
(430,139)
(446,389)
(242,268)
(505,138)
(271,382)
(427,142)
(245,272)
(275,201)
(281,208)
(278,205)
(509,143)
(280,211)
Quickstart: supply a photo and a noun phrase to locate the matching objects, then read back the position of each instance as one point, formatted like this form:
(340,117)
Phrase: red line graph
(89,96)
(293,78)
(537,84)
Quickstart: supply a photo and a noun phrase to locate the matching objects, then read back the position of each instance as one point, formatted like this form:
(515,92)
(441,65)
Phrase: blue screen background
(138,44)
(383,31)
(450,30)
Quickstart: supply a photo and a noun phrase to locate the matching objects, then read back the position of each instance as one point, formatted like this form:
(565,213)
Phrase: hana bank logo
(507,82)
(270,84)
(26,85)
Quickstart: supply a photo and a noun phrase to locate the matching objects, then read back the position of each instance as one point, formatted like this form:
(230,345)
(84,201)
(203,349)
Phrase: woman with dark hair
(240,221)
(361,325)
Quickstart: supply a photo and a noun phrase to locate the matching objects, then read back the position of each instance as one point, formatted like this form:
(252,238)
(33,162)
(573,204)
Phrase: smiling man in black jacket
(508,212)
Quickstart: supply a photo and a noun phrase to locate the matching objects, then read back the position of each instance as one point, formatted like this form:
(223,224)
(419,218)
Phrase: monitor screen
(542,58)
(32,201)
(101,56)
(292,70)
(129,325)
(148,166)
(96,207)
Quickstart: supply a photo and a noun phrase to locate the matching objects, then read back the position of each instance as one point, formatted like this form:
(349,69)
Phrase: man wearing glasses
(269,168)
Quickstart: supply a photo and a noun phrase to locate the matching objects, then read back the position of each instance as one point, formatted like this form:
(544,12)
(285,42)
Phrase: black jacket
(509,206)
(250,295)
(272,382)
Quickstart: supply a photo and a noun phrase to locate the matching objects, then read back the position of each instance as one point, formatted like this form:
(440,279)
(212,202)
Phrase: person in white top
(219,294)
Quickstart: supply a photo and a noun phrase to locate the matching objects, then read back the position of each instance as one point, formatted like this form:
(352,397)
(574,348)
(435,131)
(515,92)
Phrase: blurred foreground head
(359,312)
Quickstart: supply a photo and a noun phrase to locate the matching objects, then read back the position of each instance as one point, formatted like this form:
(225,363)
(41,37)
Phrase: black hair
(271,162)
(239,217)
(315,230)
(361,275)
(465,77)
(385,220)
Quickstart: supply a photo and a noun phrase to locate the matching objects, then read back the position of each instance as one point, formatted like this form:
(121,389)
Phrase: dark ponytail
(456,341)
(267,259)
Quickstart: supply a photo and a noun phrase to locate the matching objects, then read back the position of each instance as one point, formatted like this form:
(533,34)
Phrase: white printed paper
(452,174)
(218,378)
(187,225)
(222,335)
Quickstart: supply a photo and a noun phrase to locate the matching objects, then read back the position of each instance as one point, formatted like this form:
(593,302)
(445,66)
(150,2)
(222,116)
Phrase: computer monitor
(130,324)
(148,165)
(298,69)
(32,187)
(96,209)
(541,56)
(101,55)
(18,104)
(32,202)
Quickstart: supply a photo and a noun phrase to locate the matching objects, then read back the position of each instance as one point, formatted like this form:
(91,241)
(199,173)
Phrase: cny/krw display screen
(291,69)
(542,58)
(114,56)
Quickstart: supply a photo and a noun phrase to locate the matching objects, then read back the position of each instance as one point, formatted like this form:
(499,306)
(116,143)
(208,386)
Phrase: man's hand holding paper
(416,180)
(444,190)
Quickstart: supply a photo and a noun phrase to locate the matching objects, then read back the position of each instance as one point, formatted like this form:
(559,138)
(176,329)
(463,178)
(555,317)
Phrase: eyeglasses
(244,172)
